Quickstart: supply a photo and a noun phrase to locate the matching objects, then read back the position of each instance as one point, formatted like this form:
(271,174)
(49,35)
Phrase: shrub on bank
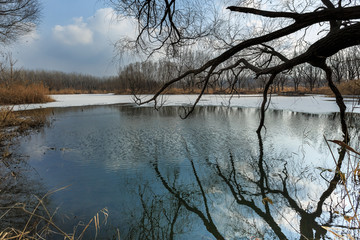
(19,93)
(350,87)
(78,91)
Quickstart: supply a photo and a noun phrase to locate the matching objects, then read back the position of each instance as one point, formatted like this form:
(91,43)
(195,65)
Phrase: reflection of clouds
(130,139)
(288,219)
(123,142)
(37,147)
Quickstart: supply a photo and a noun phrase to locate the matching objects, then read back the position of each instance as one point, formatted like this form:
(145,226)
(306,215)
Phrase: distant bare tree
(312,76)
(297,76)
(337,65)
(280,82)
(352,63)
(8,73)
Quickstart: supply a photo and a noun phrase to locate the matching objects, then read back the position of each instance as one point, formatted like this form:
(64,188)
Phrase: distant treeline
(128,81)
(147,77)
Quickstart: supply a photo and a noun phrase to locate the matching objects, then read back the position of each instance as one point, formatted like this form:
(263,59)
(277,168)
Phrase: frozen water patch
(307,104)
(76,100)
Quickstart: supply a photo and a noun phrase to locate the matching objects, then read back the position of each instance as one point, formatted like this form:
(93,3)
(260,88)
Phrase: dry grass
(131,92)
(26,119)
(346,88)
(321,90)
(350,180)
(350,87)
(124,92)
(40,223)
(174,90)
(36,93)
(77,91)
(20,93)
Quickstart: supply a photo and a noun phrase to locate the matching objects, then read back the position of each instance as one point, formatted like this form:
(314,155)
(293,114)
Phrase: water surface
(130,159)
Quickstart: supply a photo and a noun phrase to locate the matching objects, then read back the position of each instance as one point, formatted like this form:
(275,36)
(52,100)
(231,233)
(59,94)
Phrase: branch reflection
(264,196)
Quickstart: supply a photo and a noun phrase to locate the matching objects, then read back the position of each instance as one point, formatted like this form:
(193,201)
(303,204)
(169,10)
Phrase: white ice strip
(308,104)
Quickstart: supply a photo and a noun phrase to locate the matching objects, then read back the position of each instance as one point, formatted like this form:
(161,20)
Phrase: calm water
(134,161)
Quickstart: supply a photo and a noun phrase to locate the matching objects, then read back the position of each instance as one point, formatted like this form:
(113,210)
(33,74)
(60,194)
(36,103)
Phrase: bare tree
(280,82)
(167,24)
(297,76)
(17,17)
(337,64)
(263,45)
(311,76)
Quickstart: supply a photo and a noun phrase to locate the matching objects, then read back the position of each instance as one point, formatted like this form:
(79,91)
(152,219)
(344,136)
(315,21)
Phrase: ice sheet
(308,103)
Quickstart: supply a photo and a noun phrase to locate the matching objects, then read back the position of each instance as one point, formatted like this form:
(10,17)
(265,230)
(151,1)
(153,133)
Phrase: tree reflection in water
(213,178)
(260,196)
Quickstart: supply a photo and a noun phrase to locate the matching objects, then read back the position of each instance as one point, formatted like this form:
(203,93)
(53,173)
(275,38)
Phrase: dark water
(160,176)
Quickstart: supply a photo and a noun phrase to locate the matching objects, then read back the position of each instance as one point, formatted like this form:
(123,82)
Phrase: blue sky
(62,11)
(73,36)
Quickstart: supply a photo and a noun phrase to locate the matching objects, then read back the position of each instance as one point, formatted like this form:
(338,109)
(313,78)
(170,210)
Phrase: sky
(73,36)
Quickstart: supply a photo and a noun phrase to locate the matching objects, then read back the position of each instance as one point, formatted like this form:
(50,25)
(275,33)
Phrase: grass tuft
(349,194)
(40,223)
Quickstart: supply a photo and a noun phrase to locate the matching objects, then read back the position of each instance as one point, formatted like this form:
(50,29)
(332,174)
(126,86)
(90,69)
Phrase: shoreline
(313,103)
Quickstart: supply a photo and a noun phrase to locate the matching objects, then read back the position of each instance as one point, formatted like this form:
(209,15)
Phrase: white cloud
(73,34)
(102,25)
(86,45)
(102,20)
(105,22)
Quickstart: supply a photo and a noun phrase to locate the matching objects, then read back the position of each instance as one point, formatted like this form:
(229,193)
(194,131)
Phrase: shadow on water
(206,177)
